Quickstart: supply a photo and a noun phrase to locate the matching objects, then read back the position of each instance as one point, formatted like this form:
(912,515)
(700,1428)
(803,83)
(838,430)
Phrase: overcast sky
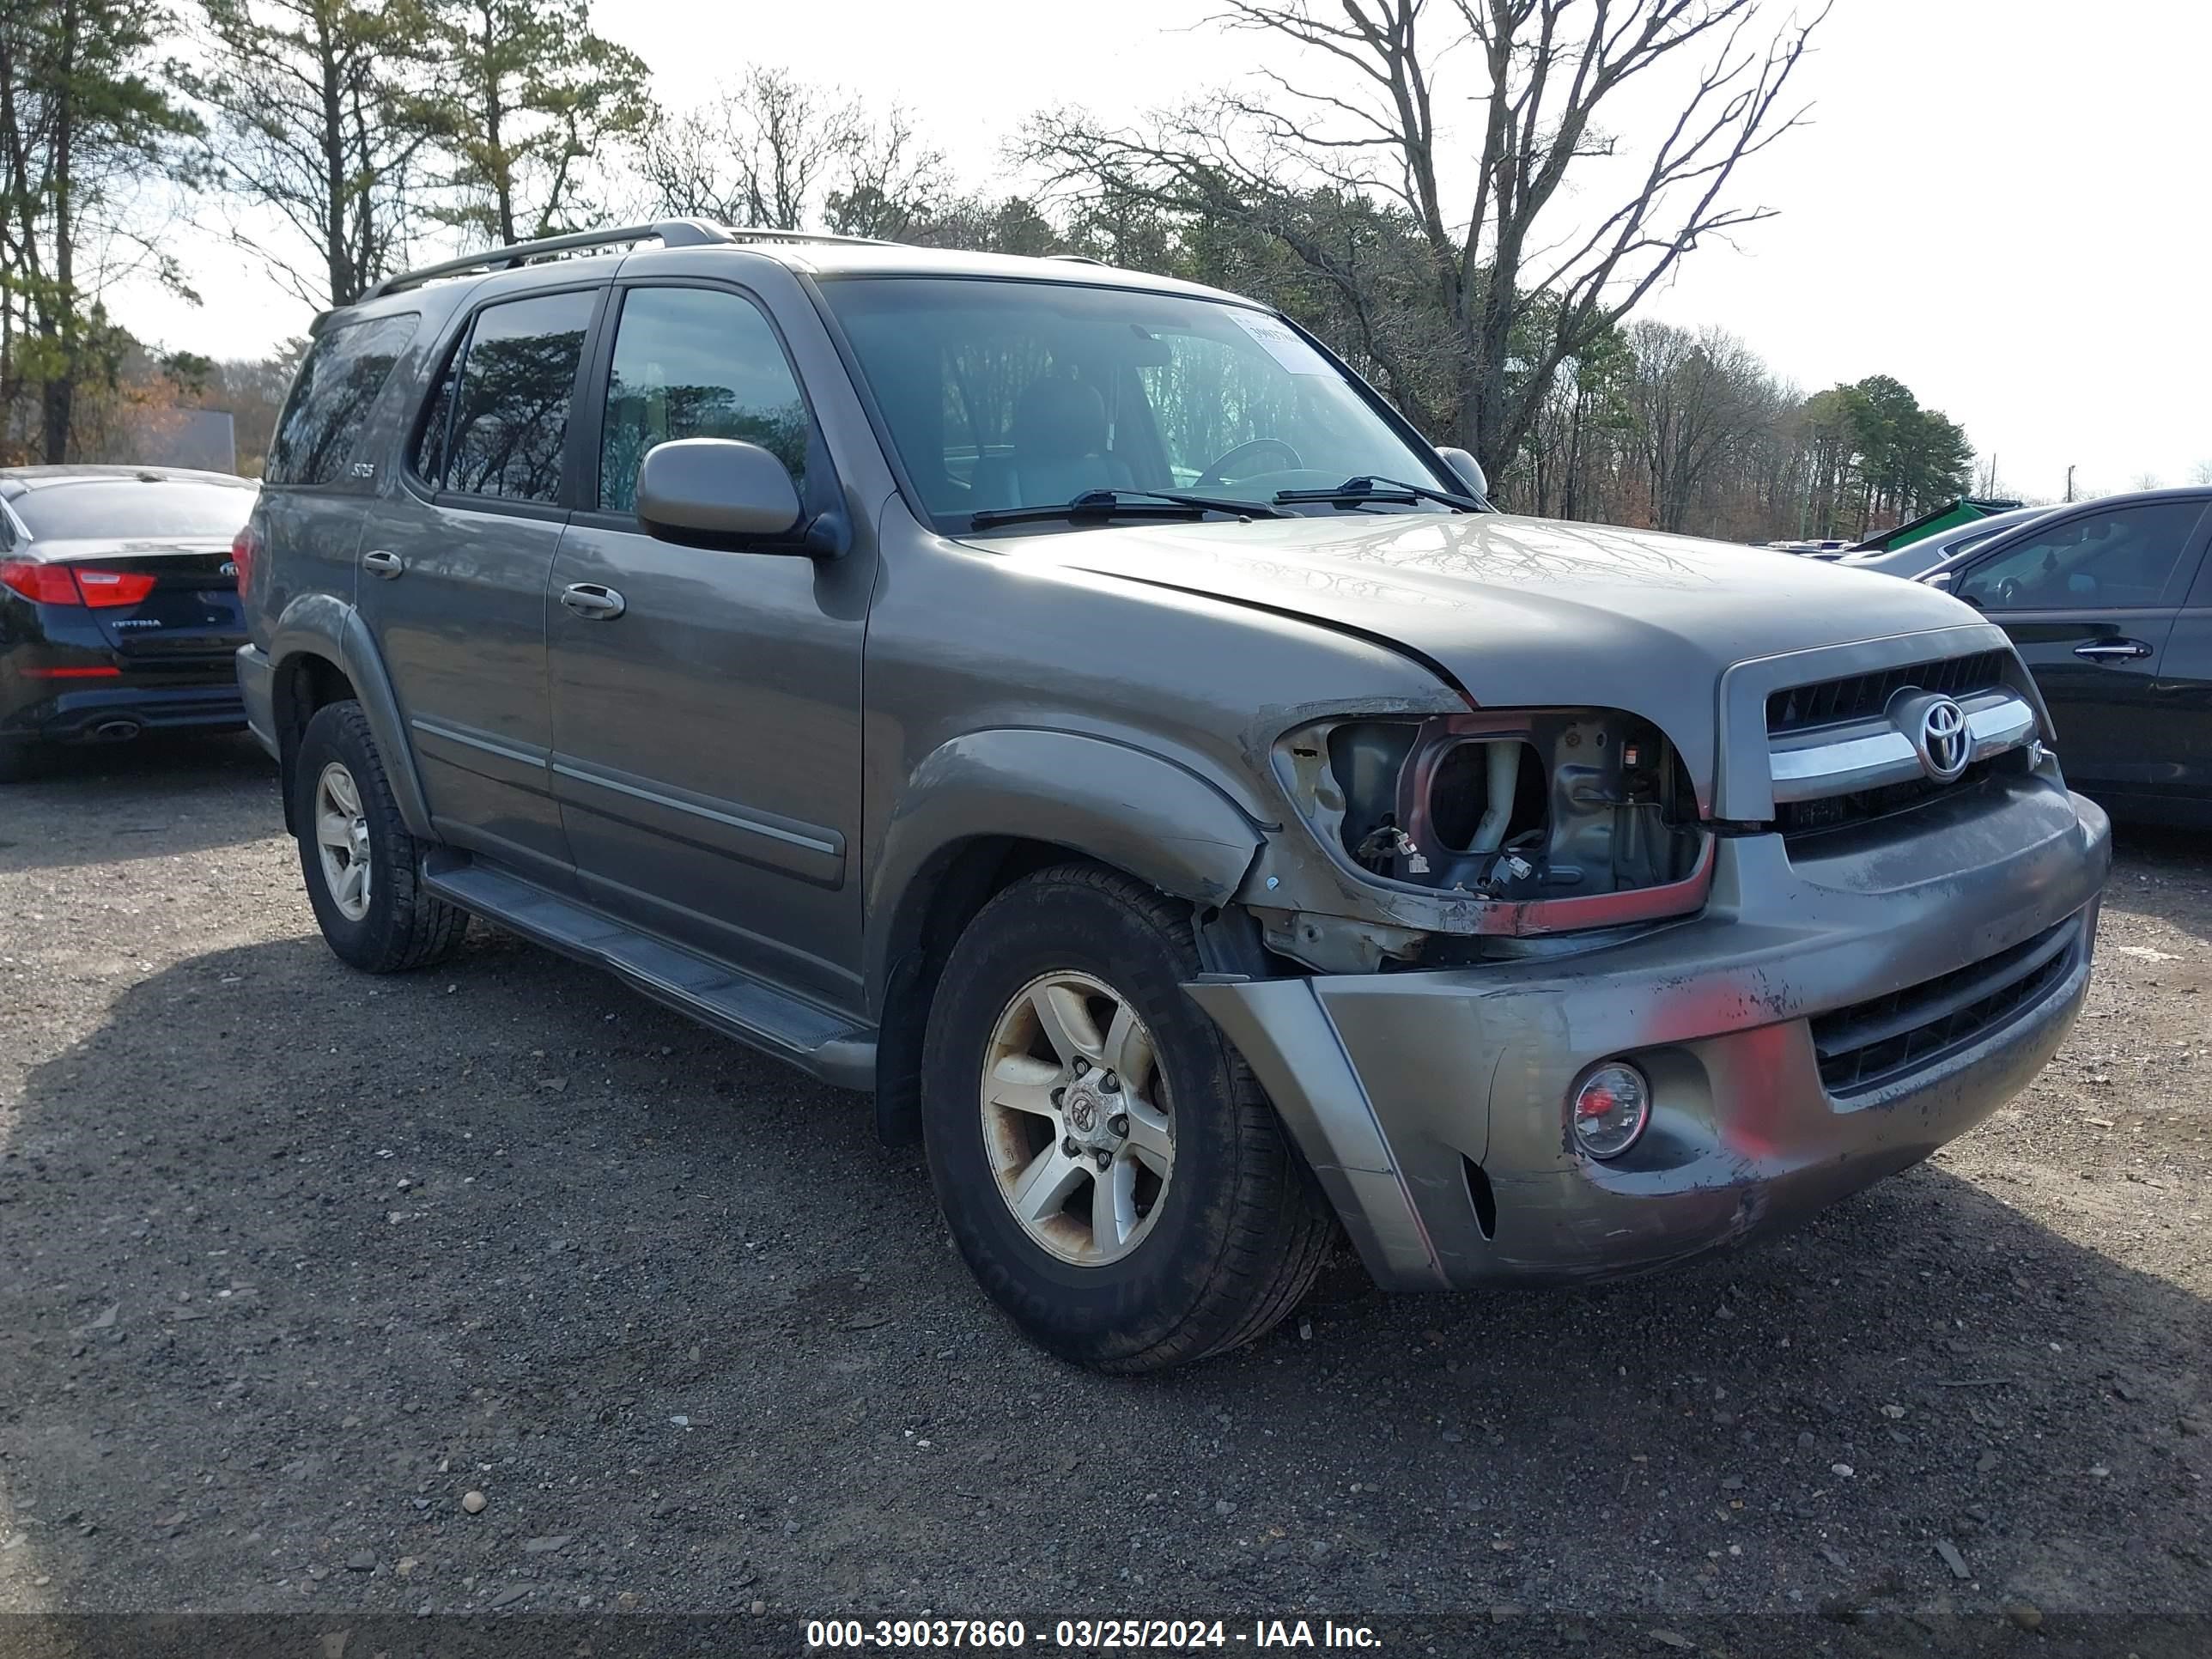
(2002,202)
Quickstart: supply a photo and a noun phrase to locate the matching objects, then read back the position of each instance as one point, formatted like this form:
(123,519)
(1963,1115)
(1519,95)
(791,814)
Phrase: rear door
(319,482)
(453,568)
(708,732)
(2089,598)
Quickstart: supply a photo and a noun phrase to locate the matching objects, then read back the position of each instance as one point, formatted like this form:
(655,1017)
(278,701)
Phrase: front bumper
(1433,1105)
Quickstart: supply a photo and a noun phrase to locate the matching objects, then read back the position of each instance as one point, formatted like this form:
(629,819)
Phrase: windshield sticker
(1280,343)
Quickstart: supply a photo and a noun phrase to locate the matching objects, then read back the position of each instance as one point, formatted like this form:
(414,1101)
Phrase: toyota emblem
(1943,739)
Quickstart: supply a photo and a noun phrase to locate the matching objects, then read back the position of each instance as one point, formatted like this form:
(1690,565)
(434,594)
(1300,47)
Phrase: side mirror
(716,492)
(1469,470)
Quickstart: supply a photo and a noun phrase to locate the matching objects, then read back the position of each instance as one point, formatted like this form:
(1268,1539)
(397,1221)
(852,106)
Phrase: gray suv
(1072,705)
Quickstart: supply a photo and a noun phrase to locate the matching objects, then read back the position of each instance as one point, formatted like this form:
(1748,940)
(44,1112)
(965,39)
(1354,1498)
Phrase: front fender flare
(322,625)
(1158,821)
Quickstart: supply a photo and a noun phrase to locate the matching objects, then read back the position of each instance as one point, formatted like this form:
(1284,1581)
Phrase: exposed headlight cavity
(1523,807)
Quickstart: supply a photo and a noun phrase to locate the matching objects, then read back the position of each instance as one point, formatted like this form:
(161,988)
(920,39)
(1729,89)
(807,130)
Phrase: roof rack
(670,233)
(1075,259)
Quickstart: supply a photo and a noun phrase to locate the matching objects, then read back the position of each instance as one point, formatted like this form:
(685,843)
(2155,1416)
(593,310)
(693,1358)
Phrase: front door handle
(593,602)
(387,565)
(2113,651)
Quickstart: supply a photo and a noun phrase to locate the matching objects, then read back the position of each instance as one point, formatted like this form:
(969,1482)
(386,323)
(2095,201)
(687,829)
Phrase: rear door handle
(387,565)
(593,602)
(2113,651)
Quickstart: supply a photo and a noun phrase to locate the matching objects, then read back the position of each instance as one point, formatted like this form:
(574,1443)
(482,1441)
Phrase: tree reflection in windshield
(1015,394)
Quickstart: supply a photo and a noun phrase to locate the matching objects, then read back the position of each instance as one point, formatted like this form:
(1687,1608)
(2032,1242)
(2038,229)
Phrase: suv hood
(1522,611)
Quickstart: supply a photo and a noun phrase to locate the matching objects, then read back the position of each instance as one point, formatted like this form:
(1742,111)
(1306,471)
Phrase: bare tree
(1525,275)
(2201,473)
(892,179)
(1700,399)
(784,137)
(787,155)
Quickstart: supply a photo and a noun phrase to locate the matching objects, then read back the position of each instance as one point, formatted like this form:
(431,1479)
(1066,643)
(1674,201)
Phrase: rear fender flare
(321,625)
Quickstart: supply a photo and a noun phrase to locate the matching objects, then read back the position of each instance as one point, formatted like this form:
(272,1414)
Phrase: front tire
(363,870)
(1111,1170)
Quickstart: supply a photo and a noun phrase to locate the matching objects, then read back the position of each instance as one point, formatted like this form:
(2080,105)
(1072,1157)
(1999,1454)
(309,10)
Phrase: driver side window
(2114,560)
(693,362)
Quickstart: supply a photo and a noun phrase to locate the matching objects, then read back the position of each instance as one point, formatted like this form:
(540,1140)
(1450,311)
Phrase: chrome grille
(1851,750)
(1863,696)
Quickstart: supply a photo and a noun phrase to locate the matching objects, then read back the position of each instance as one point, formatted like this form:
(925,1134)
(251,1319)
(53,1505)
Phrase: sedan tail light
(41,584)
(63,584)
(105,588)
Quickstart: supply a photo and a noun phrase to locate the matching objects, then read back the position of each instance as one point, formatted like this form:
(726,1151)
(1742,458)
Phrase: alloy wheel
(342,839)
(1076,1121)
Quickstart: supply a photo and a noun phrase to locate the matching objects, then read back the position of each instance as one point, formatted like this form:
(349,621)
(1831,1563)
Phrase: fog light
(1611,1105)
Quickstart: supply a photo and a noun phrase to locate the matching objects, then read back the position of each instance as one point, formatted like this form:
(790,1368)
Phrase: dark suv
(1072,705)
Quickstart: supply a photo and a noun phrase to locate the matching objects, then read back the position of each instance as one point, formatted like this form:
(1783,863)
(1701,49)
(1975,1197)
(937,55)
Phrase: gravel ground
(296,1260)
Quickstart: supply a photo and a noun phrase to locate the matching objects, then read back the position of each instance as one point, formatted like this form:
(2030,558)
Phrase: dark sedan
(118,605)
(2110,602)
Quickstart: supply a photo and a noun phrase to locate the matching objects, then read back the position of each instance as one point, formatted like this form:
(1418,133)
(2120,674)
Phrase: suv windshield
(1005,395)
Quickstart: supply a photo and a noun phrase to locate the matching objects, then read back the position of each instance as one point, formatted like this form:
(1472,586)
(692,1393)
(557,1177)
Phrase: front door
(707,703)
(2089,600)
(453,569)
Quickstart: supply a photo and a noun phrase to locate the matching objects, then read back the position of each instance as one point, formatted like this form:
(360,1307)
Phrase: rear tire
(1181,1222)
(362,869)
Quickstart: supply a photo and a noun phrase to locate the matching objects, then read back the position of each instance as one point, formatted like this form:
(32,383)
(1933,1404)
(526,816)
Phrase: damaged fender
(1106,801)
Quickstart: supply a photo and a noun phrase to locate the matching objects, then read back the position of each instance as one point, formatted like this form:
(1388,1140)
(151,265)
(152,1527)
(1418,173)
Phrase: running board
(818,1040)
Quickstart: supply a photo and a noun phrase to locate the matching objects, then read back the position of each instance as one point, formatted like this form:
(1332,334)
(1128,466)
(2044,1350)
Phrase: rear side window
(499,420)
(321,427)
(696,363)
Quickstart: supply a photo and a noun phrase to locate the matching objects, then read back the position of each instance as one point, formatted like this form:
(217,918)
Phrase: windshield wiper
(1383,489)
(1125,503)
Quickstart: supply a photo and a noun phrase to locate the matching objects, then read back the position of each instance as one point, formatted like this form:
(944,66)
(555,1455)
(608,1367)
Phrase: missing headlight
(1524,807)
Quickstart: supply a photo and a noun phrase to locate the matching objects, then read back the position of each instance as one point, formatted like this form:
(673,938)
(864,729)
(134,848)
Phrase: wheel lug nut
(1059,1097)
(1070,1148)
(1109,1082)
(1118,1123)
(1081,1066)
(1104,1159)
